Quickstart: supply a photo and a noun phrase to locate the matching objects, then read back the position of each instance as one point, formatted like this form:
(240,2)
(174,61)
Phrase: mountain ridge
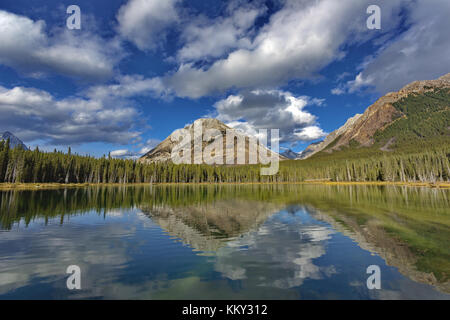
(290,154)
(13,140)
(361,128)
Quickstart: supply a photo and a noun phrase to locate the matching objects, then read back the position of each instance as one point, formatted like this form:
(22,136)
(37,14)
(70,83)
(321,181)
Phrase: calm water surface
(225,242)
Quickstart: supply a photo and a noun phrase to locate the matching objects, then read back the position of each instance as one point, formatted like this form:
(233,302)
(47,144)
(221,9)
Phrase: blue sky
(139,69)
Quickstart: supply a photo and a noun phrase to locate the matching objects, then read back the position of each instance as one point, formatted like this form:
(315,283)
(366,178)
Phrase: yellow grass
(37,186)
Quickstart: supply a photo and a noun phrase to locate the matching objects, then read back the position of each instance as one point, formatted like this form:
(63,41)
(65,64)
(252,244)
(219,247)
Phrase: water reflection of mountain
(407,227)
(395,252)
(209,226)
(244,245)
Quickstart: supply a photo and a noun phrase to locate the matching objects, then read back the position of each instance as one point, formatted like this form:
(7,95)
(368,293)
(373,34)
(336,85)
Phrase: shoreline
(44,186)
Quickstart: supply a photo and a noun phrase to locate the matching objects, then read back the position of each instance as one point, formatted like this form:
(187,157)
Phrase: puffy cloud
(299,40)
(267,109)
(26,46)
(143,22)
(128,86)
(420,53)
(37,115)
(120,153)
(144,148)
(211,38)
(337,91)
(309,133)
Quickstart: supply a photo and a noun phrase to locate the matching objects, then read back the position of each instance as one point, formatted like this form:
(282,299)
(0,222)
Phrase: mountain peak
(211,122)
(290,154)
(208,123)
(162,152)
(13,140)
(445,77)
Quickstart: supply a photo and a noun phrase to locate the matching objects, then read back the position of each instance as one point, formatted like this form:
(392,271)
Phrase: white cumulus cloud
(127,86)
(144,22)
(271,109)
(206,38)
(297,42)
(120,153)
(26,46)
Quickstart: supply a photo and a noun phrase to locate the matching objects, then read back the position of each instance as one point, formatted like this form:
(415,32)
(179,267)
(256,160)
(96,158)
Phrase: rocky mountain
(380,117)
(290,154)
(13,140)
(309,150)
(162,152)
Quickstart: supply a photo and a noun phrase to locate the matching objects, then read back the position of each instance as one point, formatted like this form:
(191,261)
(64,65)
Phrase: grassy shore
(37,186)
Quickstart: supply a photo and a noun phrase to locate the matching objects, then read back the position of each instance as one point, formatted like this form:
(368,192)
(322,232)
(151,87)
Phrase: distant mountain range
(13,140)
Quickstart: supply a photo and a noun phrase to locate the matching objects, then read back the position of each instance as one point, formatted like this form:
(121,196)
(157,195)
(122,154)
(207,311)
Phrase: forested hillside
(424,118)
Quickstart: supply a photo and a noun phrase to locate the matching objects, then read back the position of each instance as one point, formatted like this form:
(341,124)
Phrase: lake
(226,242)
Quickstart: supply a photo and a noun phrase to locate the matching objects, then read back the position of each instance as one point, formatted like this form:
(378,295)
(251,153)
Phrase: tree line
(26,166)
